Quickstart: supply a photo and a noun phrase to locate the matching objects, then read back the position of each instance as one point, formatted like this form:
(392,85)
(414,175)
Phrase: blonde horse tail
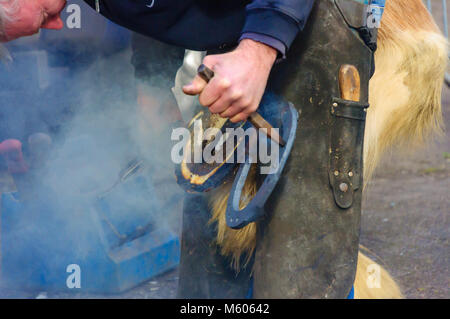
(373,281)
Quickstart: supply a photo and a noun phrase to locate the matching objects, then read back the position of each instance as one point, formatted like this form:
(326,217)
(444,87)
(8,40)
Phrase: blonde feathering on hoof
(405,109)
(234,243)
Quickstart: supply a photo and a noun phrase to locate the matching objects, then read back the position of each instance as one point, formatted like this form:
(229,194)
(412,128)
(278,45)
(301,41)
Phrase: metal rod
(445,20)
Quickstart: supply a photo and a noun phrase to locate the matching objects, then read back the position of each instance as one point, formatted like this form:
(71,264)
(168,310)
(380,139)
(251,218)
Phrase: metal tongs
(133,167)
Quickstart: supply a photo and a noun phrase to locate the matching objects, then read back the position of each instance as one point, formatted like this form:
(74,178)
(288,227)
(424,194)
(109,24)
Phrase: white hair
(7,13)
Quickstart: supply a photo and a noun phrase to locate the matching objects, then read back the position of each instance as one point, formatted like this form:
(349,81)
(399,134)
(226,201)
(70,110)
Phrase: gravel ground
(406,217)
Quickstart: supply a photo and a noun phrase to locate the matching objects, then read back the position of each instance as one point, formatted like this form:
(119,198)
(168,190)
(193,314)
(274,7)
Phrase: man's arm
(241,75)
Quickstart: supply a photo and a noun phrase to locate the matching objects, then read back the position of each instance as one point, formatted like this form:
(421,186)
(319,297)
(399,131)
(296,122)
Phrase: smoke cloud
(98,163)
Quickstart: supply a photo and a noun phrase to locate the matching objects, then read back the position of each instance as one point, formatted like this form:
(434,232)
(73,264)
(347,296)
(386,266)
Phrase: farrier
(307,245)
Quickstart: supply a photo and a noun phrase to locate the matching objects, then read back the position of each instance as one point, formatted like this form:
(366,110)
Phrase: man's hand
(27,17)
(239,82)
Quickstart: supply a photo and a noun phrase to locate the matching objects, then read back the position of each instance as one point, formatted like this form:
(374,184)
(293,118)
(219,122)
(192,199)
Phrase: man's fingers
(196,87)
(243,105)
(53,23)
(239,117)
(210,92)
(233,110)
(227,101)
(247,110)
(214,90)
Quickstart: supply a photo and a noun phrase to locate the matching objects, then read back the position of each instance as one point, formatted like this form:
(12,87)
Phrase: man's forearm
(267,54)
(267,40)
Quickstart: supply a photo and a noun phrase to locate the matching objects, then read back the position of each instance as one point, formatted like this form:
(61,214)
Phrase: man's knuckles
(250,109)
(218,106)
(209,61)
(236,94)
(223,83)
(231,111)
(217,88)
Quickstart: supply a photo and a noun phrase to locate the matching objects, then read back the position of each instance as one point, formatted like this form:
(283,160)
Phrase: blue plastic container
(115,247)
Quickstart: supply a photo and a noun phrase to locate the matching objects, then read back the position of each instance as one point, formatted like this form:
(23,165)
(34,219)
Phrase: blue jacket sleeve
(279,19)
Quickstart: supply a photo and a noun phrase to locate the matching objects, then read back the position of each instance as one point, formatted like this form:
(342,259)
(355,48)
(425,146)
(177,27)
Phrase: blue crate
(39,240)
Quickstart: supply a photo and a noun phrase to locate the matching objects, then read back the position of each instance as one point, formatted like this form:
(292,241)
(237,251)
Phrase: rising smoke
(81,95)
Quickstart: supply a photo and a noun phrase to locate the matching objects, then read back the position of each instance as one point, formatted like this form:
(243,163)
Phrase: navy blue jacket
(208,24)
